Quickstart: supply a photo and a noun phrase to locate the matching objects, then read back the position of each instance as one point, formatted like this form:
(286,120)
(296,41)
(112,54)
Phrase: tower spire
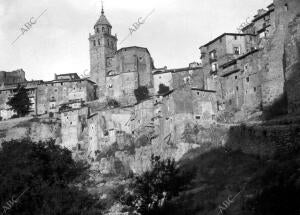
(102,10)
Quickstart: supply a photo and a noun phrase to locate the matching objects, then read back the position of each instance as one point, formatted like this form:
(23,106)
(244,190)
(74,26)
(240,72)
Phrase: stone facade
(253,79)
(13,77)
(187,105)
(53,94)
(73,126)
(130,69)
(117,73)
(292,61)
(9,90)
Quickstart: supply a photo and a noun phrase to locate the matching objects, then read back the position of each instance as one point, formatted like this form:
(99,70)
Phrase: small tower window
(97,30)
(103,29)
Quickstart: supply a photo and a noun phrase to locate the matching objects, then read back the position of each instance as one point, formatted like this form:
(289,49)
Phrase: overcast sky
(58,42)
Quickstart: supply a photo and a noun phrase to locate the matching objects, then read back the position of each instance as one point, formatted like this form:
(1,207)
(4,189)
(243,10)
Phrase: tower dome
(102,20)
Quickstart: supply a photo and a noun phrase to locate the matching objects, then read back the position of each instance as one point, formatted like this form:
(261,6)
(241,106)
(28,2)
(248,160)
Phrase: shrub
(163,89)
(152,189)
(112,103)
(141,93)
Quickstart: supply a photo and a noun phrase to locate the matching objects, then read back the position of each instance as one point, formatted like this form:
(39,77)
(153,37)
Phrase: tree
(152,189)
(47,176)
(20,102)
(163,89)
(141,93)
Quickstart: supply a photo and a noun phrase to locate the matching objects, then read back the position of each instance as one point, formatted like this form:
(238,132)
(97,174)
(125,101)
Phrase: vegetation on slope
(46,175)
(224,182)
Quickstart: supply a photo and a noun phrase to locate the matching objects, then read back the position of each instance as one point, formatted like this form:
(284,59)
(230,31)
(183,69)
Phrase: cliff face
(34,128)
(130,155)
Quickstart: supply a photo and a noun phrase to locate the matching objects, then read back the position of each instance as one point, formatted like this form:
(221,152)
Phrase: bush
(151,190)
(141,93)
(163,89)
(112,103)
(47,175)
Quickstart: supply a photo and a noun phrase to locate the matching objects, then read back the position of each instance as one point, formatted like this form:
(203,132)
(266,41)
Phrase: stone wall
(292,65)
(264,140)
(36,129)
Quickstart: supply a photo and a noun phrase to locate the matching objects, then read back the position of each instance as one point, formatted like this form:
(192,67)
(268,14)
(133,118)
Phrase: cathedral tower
(102,45)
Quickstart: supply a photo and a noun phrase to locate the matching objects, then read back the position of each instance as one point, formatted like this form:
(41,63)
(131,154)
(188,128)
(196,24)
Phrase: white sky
(58,42)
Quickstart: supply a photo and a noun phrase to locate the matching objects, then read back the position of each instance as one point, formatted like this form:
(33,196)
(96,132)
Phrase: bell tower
(102,45)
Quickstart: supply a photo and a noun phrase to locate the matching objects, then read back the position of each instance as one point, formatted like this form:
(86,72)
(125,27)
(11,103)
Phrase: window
(105,133)
(247,79)
(94,42)
(99,42)
(235,37)
(103,29)
(220,40)
(213,54)
(236,50)
(214,67)
(97,30)
(237,88)
(198,117)
(254,89)
(286,7)
(229,102)
(198,93)
(235,77)
(262,34)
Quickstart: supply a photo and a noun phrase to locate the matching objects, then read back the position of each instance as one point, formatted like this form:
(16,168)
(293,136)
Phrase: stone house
(74,128)
(221,50)
(13,77)
(182,106)
(52,94)
(9,90)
